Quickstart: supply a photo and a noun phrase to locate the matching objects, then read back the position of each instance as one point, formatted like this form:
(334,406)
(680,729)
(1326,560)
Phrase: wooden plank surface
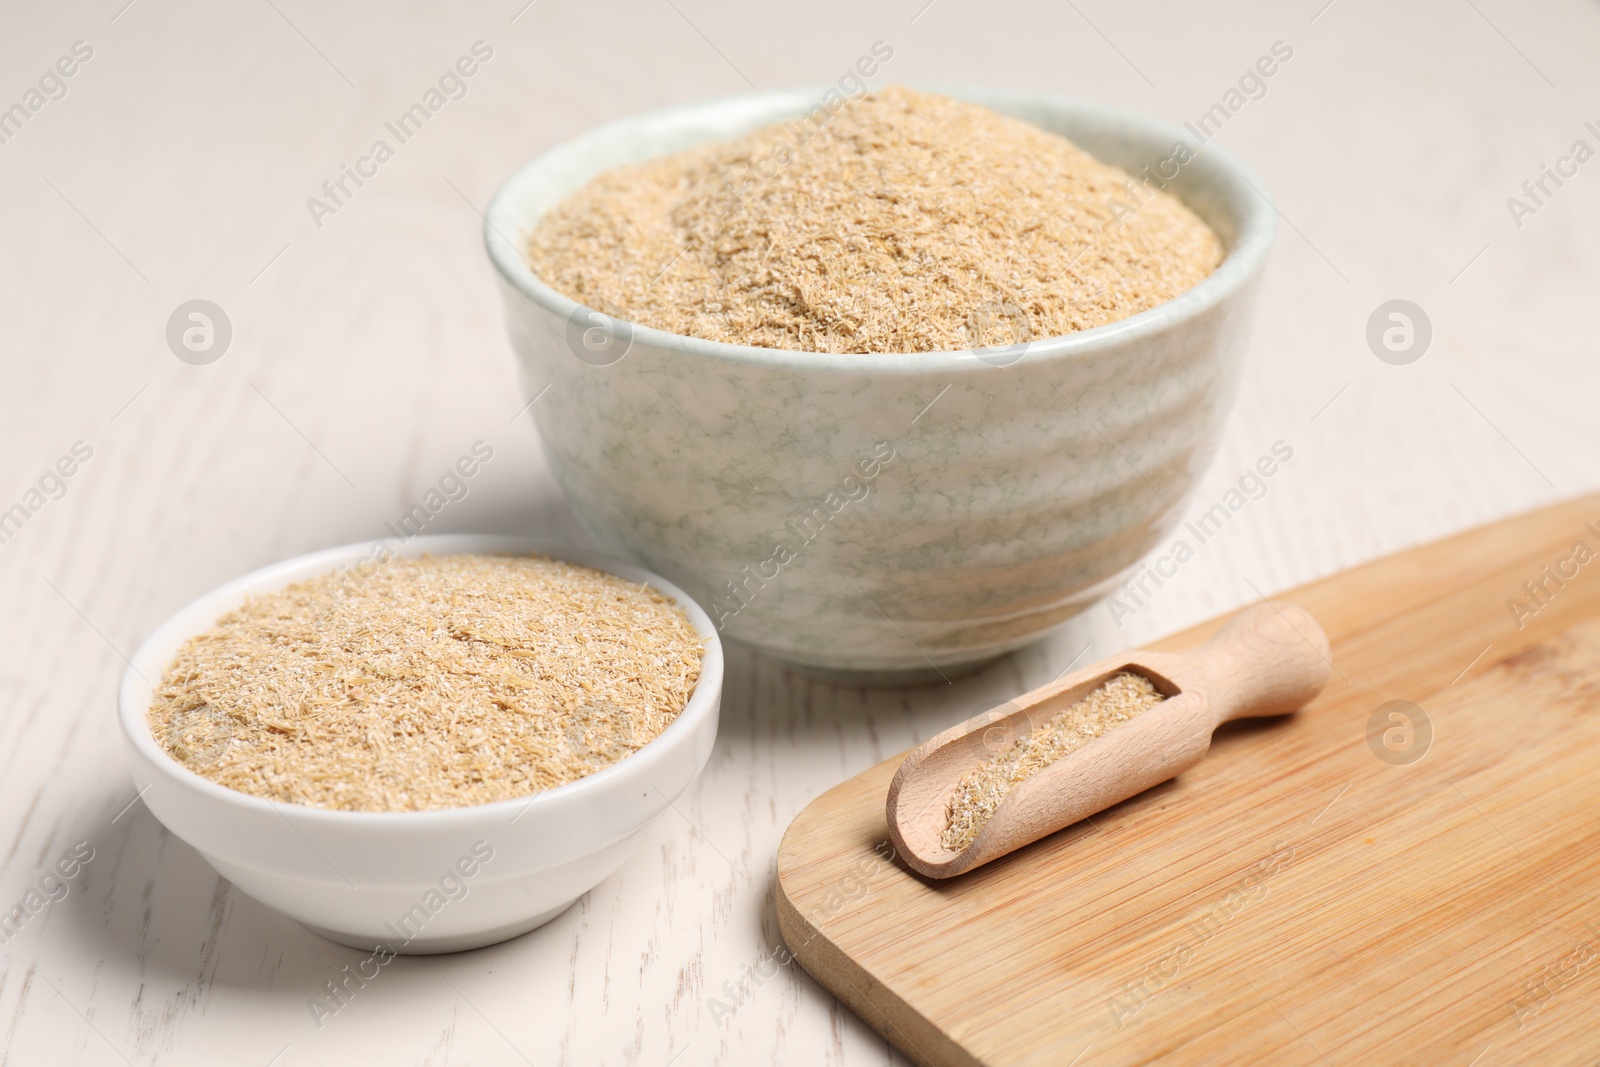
(369,353)
(1294,898)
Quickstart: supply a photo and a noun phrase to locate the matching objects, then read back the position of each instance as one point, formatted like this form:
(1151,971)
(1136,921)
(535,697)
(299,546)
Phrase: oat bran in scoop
(979,793)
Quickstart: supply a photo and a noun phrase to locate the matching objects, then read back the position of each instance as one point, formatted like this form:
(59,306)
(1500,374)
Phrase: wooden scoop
(1266,661)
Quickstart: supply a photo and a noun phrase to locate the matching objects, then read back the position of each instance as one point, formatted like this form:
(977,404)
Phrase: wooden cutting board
(1296,898)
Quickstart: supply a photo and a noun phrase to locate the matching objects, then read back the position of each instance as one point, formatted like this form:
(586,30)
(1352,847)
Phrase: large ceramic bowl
(418,881)
(884,515)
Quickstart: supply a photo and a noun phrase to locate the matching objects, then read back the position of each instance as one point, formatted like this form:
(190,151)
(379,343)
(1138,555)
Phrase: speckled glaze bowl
(884,517)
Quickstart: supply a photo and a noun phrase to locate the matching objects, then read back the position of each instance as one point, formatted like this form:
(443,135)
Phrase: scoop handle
(1268,660)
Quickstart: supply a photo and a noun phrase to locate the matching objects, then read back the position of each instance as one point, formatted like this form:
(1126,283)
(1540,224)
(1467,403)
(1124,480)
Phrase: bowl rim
(1257,225)
(136,686)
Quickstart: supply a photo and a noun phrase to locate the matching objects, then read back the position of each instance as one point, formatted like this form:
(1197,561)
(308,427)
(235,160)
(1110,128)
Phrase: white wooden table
(367,354)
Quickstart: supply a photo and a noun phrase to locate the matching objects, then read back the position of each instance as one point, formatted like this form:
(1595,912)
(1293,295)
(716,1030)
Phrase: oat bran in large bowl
(891,385)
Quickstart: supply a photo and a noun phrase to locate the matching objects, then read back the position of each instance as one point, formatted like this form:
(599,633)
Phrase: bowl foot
(433,946)
(893,677)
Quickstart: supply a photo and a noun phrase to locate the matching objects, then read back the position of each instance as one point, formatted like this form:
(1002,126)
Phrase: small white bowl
(400,880)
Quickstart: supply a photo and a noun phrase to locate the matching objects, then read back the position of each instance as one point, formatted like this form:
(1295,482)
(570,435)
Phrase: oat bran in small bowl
(432,682)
